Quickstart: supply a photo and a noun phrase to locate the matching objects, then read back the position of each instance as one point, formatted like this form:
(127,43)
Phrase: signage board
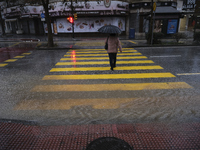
(172,26)
(42,15)
(189,4)
(89,24)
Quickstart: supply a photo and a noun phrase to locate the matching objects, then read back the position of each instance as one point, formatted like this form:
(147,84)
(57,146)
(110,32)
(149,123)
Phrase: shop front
(166,17)
(90,17)
(188,21)
(166,20)
(12,20)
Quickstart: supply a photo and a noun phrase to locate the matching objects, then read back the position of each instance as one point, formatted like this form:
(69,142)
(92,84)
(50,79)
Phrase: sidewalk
(69,42)
(148,136)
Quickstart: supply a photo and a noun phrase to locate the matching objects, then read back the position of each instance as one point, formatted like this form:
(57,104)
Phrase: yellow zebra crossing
(75,61)
(14,59)
(105,68)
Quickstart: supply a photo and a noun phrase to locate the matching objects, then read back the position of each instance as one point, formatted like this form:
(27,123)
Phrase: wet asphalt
(19,101)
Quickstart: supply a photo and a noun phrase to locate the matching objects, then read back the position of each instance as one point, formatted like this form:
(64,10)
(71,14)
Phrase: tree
(150,32)
(2,22)
(45,4)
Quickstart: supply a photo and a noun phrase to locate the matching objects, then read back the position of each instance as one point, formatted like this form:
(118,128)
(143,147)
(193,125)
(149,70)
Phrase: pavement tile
(53,130)
(99,129)
(74,142)
(76,129)
(131,138)
(49,142)
(19,142)
(77,137)
(126,128)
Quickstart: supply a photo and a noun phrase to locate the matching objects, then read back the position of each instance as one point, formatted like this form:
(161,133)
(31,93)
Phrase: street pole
(154,9)
(151,24)
(72,8)
(2,23)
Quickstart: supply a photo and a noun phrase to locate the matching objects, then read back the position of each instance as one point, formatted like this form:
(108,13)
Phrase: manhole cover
(109,143)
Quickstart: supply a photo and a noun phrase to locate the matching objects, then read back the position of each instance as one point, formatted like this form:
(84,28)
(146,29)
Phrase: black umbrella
(110,29)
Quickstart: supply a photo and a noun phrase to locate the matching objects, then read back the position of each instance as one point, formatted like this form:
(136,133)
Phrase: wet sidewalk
(61,41)
(148,136)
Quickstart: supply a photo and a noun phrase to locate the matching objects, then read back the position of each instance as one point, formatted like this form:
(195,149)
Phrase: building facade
(170,17)
(91,16)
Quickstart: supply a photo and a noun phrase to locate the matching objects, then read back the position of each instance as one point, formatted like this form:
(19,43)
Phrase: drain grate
(109,143)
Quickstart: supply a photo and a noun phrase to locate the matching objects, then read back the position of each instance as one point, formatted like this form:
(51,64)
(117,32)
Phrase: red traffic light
(70,19)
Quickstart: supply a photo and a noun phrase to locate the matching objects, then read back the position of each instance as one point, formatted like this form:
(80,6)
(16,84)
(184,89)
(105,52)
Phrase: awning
(164,12)
(166,9)
(7,20)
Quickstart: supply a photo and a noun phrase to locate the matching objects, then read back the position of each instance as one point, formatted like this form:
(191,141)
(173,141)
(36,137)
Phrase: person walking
(113,45)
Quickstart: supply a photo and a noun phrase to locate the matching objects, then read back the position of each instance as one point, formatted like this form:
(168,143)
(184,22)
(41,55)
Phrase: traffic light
(75,16)
(70,19)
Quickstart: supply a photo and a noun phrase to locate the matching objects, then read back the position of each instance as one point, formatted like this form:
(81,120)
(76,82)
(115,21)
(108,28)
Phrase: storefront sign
(107,3)
(46,29)
(42,15)
(172,26)
(91,24)
(148,4)
(105,7)
(189,4)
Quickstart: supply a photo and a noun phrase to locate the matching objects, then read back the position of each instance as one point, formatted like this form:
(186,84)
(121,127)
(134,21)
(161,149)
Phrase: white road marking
(166,56)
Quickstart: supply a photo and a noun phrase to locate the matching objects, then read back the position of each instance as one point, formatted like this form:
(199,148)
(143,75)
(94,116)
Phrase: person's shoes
(111,68)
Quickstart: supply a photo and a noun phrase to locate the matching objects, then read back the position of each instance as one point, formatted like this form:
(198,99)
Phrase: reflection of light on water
(73,57)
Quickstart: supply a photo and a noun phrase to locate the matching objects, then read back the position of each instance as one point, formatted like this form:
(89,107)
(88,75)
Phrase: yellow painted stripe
(105,68)
(88,49)
(133,42)
(103,54)
(98,49)
(11,60)
(103,62)
(96,52)
(26,53)
(39,44)
(63,104)
(110,87)
(106,58)
(15,44)
(108,76)
(186,74)
(3,65)
(19,56)
(100,103)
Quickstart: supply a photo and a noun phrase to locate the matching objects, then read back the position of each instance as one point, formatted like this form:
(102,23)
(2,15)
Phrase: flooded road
(9,50)
(59,87)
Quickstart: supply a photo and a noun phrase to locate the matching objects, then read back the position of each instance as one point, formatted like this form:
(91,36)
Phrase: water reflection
(10,51)
(73,57)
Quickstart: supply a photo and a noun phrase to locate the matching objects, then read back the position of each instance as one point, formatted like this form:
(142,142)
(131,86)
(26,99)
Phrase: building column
(8,27)
(19,31)
(127,26)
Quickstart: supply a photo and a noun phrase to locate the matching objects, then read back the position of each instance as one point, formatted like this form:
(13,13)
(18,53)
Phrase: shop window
(172,26)
(8,25)
(158,26)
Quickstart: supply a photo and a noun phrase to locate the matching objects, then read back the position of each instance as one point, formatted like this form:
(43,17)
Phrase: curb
(18,121)
(64,48)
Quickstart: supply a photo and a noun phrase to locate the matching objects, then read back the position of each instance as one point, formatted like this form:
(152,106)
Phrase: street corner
(58,45)
(30,40)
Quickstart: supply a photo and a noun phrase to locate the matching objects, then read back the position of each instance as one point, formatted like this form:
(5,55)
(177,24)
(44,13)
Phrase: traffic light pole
(72,30)
(72,8)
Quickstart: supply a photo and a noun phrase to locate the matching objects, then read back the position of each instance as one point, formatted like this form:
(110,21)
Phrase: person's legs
(114,59)
(111,58)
